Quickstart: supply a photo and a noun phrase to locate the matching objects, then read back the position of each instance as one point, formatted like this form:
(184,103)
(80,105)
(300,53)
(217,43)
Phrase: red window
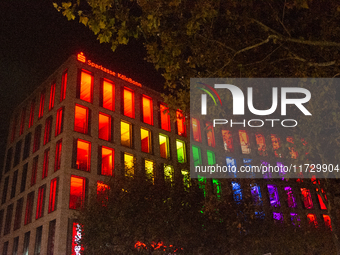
(57,155)
(261,144)
(76,237)
(312,220)
(327,221)
(40,202)
(181,128)
(276,145)
(63,86)
(244,141)
(81,117)
(52,205)
(37,135)
(14,127)
(34,171)
(22,122)
(41,105)
(145,140)
(77,192)
(52,96)
(108,95)
(227,141)
(45,165)
(196,130)
(129,103)
(29,208)
(86,86)
(104,127)
(30,123)
(147,110)
(107,163)
(48,128)
(59,122)
(165,117)
(102,192)
(321,200)
(307,198)
(83,155)
(210,134)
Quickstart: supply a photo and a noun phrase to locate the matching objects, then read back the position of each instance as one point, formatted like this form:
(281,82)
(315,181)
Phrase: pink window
(57,155)
(307,198)
(147,110)
(108,95)
(227,141)
(30,122)
(107,163)
(86,86)
(104,127)
(45,165)
(129,103)
(52,96)
(22,121)
(181,128)
(40,202)
(244,141)
(210,134)
(83,155)
(165,117)
(41,105)
(77,192)
(59,122)
(63,86)
(53,195)
(196,130)
(81,117)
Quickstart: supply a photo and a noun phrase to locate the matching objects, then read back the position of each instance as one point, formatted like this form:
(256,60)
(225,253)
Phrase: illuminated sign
(82,58)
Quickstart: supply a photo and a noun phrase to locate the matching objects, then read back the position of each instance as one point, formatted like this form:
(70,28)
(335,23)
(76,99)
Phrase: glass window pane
(108,95)
(129,165)
(107,161)
(129,103)
(81,119)
(83,155)
(147,110)
(181,154)
(104,127)
(164,146)
(86,86)
(125,132)
(145,140)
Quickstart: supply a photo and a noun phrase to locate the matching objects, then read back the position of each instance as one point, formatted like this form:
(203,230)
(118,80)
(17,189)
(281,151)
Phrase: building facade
(86,124)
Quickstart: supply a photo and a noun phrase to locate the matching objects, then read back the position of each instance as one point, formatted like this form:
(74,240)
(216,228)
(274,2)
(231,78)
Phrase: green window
(211,158)
(180,145)
(196,153)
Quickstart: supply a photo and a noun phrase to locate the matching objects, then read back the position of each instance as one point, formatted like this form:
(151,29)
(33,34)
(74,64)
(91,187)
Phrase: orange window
(165,117)
(276,145)
(261,144)
(81,116)
(181,128)
(57,155)
(30,122)
(40,202)
(52,205)
(196,130)
(129,103)
(47,132)
(102,190)
(22,121)
(59,122)
(14,128)
(83,155)
(77,192)
(210,134)
(104,127)
(147,110)
(41,105)
(164,146)
(327,221)
(307,198)
(86,86)
(126,134)
(107,163)
(108,95)
(45,165)
(63,86)
(312,220)
(227,141)
(244,141)
(145,140)
(52,97)
(293,153)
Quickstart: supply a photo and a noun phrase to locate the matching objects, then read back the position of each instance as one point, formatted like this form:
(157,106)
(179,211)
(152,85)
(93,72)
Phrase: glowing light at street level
(81,58)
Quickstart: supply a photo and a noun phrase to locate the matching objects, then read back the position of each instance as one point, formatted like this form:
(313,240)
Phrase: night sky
(36,40)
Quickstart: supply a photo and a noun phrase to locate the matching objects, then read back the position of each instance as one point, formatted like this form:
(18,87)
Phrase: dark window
(26,242)
(14,183)
(30,122)
(63,86)
(4,191)
(48,128)
(5,249)
(9,160)
(8,220)
(15,246)
(18,214)
(38,236)
(34,171)
(51,238)
(57,155)
(2,214)
(14,128)
(22,121)
(27,146)
(29,208)
(37,136)
(17,153)
(23,178)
